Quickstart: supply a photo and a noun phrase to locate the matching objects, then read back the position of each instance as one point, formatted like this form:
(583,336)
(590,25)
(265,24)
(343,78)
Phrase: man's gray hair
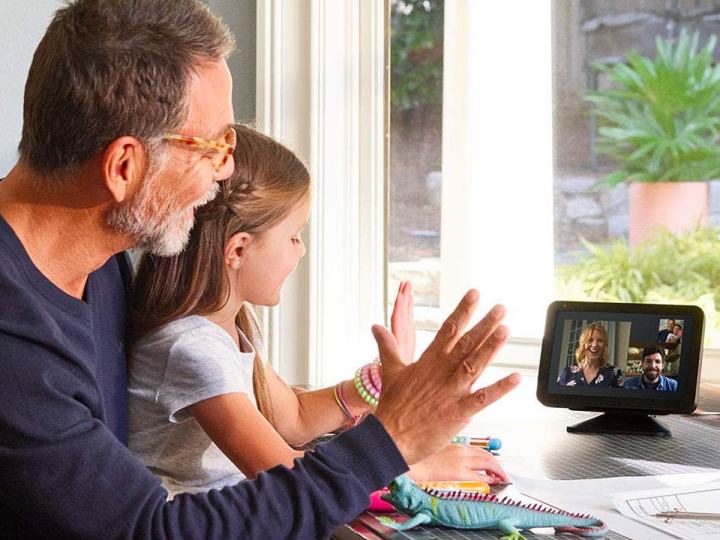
(108,68)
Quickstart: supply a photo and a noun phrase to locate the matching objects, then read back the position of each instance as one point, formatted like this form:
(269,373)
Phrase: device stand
(622,423)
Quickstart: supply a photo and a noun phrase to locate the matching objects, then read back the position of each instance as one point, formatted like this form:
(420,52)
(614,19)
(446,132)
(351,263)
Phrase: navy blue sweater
(65,470)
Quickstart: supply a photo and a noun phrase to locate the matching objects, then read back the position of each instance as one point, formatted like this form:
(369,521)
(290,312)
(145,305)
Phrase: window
(471,157)
(576,328)
(483,215)
(635,241)
(416,62)
(499,167)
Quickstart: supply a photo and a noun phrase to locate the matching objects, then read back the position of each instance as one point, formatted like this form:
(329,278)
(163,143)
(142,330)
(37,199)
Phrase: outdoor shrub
(666,269)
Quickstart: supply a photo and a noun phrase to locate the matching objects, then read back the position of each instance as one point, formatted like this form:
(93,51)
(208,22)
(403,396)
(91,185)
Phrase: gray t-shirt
(173,367)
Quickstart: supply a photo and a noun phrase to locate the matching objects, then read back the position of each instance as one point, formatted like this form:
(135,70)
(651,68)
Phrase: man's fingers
(387,349)
(476,336)
(452,328)
(480,399)
(473,364)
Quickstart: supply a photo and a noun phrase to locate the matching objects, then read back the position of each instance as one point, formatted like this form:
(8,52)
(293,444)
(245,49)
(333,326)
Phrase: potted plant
(660,122)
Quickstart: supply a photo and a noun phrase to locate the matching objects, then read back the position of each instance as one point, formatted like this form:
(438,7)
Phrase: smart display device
(629,361)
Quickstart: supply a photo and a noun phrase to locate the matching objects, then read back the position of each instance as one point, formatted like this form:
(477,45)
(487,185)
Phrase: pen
(689,515)
(488,443)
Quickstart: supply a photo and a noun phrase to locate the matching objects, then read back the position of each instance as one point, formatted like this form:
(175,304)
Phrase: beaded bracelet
(368,385)
(352,420)
(363,380)
(376,375)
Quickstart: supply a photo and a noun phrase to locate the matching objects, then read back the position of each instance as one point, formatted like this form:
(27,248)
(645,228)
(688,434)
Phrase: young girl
(205,409)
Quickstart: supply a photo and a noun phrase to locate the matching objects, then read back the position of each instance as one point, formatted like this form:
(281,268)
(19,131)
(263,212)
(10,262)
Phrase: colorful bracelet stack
(340,400)
(368,383)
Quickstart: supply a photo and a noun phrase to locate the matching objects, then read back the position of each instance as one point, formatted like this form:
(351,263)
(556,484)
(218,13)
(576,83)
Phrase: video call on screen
(619,354)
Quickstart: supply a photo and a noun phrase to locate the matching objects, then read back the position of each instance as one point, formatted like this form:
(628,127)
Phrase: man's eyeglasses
(219,151)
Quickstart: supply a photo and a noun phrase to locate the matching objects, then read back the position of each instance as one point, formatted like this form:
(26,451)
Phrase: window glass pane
(495,203)
(240,16)
(610,242)
(630,131)
(416,151)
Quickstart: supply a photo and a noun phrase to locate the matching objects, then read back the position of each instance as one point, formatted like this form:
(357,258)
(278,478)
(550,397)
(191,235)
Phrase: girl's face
(272,257)
(677,330)
(594,346)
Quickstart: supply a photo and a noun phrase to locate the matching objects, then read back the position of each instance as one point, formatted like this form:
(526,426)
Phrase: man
(652,378)
(663,334)
(126,114)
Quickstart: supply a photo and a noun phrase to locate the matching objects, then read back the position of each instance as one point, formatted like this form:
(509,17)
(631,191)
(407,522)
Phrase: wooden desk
(537,434)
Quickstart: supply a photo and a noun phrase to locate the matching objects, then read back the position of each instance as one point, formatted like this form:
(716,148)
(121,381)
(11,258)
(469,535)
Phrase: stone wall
(598,215)
(584,33)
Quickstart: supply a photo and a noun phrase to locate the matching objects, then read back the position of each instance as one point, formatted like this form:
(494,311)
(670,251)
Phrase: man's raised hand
(424,404)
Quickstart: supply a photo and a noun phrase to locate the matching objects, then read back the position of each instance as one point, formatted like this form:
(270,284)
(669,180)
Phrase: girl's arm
(236,426)
(303,416)
(243,434)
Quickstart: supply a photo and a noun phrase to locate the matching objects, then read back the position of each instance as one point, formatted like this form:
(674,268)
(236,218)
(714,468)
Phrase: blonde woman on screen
(592,367)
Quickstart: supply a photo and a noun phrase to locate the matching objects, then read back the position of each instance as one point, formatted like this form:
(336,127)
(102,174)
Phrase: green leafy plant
(660,120)
(416,53)
(668,269)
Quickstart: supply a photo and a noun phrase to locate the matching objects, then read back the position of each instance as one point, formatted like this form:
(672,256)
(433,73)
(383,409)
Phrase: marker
(487,443)
(471,486)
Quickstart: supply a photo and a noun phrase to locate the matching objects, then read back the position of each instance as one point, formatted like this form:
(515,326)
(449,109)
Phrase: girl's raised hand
(455,462)
(402,322)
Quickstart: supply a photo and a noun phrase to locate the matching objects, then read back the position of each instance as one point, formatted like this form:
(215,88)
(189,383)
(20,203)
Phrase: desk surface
(537,434)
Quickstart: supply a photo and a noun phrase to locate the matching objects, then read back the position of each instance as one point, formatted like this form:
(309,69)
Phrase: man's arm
(64,474)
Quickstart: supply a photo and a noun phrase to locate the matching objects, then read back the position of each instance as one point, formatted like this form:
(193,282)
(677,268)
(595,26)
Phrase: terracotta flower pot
(676,206)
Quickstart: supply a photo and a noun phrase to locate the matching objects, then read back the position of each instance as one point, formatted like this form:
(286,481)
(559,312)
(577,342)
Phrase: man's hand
(424,404)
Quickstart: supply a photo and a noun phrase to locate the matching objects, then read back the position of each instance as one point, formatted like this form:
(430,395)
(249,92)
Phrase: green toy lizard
(463,510)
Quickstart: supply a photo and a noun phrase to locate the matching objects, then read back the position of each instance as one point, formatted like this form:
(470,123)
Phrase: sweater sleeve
(65,475)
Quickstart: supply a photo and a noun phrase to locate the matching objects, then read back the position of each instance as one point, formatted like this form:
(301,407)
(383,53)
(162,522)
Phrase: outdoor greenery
(670,268)
(661,118)
(416,53)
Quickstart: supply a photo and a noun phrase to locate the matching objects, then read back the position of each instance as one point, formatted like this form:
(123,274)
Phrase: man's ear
(123,166)
(236,249)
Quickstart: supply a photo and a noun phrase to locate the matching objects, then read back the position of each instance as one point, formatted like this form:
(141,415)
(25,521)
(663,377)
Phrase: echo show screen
(638,355)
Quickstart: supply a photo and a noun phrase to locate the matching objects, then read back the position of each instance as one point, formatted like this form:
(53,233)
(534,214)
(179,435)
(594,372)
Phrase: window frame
(321,91)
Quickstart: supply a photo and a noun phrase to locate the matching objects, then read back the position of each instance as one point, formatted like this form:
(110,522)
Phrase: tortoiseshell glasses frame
(221,150)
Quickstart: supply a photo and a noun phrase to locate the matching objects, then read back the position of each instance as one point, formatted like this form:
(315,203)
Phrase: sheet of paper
(594,497)
(643,505)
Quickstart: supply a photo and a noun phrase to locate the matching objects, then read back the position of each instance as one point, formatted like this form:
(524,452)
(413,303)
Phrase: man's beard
(153,220)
